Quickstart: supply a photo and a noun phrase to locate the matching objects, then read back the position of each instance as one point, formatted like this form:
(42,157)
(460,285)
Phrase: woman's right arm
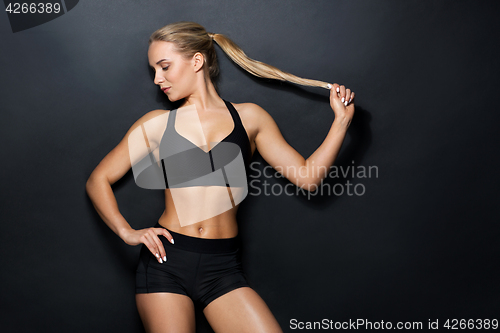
(113,167)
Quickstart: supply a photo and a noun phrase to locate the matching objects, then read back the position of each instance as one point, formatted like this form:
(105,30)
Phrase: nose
(158,79)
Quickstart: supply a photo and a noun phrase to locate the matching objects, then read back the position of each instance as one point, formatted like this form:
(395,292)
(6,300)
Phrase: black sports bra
(184,164)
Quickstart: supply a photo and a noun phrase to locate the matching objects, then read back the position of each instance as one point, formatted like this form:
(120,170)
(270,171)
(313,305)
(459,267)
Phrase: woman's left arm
(305,173)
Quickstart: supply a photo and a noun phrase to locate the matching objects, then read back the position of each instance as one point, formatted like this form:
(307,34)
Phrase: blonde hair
(190,37)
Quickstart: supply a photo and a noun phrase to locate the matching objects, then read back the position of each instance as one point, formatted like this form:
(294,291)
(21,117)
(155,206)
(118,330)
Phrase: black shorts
(200,268)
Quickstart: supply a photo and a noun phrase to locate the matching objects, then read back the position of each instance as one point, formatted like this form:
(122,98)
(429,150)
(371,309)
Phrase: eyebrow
(159,61)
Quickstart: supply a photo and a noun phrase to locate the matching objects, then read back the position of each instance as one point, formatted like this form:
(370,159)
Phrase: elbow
(91,183)
(309,185)
(311,180)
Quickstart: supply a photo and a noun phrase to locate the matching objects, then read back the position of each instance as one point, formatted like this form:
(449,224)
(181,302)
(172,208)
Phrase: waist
(201,245)
(208,212)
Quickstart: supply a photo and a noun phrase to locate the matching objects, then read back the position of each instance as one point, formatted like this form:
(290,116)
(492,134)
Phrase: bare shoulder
(151,115)
(254,115)
(250,109)
(152,124)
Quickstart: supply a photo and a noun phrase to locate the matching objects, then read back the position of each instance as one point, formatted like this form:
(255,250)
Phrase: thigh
(166,312)
(241,310)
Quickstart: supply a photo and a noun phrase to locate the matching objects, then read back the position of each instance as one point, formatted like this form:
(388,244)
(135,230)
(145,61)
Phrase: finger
(159,244)
(151,245)
(154,246)
(347,96)
(167,235)
(334,91)
(342,93)
(352,97)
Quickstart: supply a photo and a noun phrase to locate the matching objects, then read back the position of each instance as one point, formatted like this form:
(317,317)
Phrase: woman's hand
(149,237)
(342,103)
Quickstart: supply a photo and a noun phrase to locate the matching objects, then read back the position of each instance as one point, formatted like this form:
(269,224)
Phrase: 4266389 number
(33,8)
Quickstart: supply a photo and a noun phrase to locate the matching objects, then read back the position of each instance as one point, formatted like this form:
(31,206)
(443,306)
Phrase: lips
(165,89)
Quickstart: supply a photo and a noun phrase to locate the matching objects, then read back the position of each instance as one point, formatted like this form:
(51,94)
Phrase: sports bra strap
(171,119)
(234,114)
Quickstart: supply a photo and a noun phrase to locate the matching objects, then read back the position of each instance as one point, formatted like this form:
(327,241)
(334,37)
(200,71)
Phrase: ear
(198,61)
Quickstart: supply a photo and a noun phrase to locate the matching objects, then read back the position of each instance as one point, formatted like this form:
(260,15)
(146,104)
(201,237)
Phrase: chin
(175,98)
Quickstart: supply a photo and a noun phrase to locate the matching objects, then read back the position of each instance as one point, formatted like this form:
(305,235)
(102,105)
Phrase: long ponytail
(190,37)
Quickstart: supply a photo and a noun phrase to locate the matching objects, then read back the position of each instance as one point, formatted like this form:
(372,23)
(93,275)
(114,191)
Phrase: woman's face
(172,70)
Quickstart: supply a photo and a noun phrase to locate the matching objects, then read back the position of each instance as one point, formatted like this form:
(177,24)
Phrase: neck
(204,97)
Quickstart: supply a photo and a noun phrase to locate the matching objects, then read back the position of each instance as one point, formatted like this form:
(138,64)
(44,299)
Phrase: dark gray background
(420,244)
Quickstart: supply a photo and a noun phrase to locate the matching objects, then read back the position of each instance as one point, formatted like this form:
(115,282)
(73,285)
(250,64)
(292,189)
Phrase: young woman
(191,258)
